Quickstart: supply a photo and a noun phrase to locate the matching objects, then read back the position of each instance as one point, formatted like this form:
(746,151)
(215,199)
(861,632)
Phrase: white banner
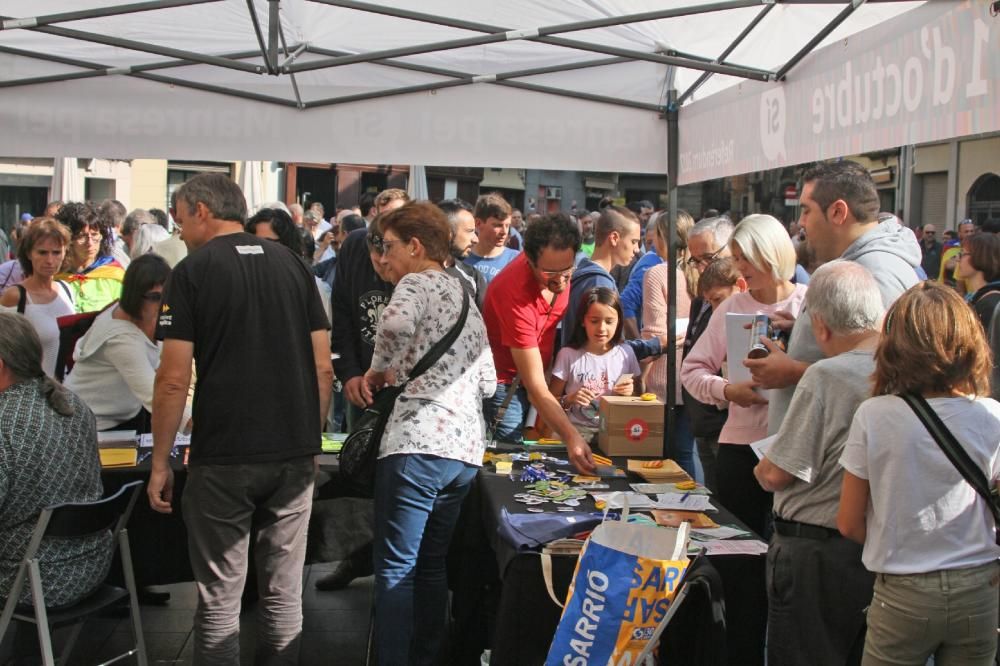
(929,75)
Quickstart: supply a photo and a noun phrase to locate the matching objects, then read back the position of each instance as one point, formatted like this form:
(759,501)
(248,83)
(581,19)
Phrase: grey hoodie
(892,255)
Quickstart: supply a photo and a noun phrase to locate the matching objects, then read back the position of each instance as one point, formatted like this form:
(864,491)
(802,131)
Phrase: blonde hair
(765,243)
(932,342)
(680,242)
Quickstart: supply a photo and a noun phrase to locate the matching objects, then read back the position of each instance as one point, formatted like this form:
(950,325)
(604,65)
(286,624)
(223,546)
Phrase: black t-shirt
(249,305)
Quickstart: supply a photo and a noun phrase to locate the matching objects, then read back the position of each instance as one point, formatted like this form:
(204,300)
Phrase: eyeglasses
(705,258)
(84,236)
(387,245)
(379,245)
(155,296)
(930,233)
(564,274)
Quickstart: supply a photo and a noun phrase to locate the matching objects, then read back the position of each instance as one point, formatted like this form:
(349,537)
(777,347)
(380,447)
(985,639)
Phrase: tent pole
(495,34)
(260,36)
(97,12)
(725,54)
(273,22)
(670,410)
(820,36)
(145,47)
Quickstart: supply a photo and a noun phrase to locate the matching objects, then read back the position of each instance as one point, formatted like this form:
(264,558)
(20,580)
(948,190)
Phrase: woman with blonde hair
(927,534)
(765,257)
(655,297)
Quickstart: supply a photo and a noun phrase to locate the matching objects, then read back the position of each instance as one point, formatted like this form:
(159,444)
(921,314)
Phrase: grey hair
(277,205)
(136,219)
(295,209)
(846,297)
(223,198)
(720,227)
(147,236)
(21,352)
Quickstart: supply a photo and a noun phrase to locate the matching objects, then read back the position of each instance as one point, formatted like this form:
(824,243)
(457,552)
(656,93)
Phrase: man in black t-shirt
(247,311)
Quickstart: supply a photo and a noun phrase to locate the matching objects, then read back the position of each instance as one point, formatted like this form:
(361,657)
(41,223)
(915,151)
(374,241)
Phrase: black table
(159,541)
(500,601)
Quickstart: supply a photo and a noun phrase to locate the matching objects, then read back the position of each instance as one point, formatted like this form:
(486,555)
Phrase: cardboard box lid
(630,400)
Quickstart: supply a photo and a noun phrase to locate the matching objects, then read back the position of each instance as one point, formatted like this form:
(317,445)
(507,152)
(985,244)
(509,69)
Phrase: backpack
(71,328)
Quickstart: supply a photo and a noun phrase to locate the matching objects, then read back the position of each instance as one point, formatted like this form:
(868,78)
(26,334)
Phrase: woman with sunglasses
(116,361)
(90,269)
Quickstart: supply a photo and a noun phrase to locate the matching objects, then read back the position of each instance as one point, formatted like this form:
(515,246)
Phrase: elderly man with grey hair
(808,558)
(708,240)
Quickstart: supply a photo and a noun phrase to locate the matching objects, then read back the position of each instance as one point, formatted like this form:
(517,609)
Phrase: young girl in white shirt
(928,536)
(596,362)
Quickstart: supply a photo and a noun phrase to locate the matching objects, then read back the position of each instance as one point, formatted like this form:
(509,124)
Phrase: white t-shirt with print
(596,372)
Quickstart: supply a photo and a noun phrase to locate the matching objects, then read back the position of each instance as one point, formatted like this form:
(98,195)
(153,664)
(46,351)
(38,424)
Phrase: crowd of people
(880,551)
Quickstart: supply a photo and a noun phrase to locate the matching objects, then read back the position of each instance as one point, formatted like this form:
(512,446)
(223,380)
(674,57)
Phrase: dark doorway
(16,200)
(316,185)
(984,198)
(374,181)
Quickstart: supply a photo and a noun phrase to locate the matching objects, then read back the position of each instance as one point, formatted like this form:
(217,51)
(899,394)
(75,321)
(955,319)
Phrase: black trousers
(739,491)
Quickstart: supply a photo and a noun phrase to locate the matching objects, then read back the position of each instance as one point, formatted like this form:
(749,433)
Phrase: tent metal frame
(489,34)
(274,41)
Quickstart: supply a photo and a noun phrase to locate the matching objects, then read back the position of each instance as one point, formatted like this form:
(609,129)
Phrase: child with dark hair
(720,280)
(596,362)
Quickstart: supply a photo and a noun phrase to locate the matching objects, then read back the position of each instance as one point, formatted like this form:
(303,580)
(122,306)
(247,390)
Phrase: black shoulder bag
(956,454)
(360,450)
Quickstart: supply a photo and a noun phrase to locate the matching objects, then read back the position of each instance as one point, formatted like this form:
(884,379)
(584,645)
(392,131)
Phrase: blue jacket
(587,276)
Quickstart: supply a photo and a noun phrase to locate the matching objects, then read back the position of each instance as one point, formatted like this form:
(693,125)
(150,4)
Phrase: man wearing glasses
(930,248)
(524,304)
(708,241)
(362,290)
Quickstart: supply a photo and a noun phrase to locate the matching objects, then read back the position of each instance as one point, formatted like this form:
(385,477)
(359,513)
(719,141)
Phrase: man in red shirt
(524,304)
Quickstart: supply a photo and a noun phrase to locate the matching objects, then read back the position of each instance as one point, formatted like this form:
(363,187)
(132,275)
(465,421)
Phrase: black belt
(791,528)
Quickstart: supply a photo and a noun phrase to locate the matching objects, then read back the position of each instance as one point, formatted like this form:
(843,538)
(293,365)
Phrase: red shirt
(517,315)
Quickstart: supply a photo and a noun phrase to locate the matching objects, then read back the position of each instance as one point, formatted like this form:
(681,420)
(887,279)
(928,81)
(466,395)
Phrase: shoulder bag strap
(22,300)
(953,450)
(444,344)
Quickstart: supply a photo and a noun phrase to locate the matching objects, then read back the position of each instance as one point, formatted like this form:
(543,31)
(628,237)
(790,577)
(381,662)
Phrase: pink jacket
(654,323)
(698,373)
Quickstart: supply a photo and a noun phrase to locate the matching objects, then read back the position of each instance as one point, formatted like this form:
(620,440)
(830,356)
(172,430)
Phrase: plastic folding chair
(78,521)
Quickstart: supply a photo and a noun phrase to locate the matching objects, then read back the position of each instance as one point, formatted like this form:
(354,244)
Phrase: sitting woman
(48,455)
(765,257)
(90,270)
(435,438)
(40,298)
(116,360)
(596,361)
(927,534)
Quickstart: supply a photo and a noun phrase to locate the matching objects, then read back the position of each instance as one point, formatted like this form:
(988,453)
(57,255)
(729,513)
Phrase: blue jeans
(682,447)
(417,501)
(509,429)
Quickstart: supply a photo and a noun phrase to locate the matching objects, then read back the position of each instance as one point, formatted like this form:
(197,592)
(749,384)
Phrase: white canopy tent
(591,85)
(576,84)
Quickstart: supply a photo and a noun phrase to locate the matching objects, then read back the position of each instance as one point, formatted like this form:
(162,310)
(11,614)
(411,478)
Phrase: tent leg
(670,410)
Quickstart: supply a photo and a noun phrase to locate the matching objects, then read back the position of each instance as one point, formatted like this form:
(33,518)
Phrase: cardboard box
(630,426)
